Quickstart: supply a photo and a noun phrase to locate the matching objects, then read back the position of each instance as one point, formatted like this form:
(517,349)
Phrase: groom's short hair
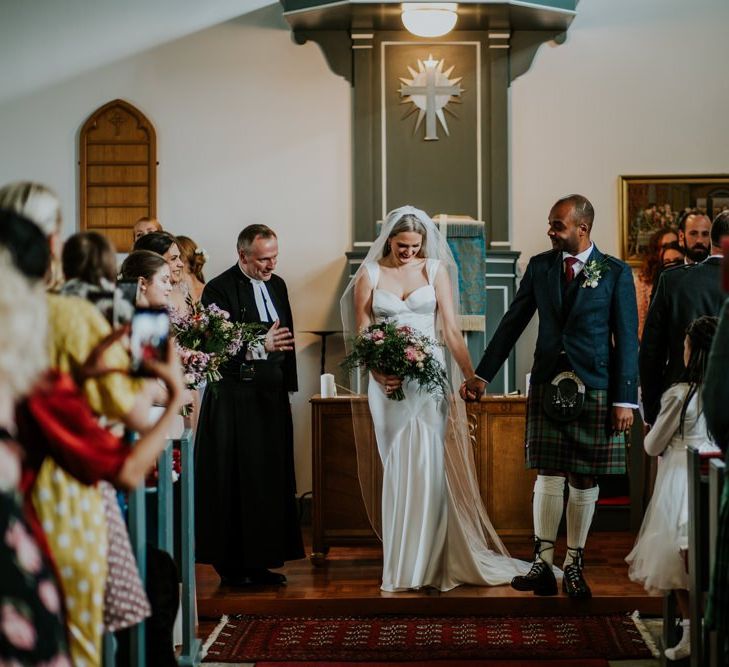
(581,207)
(250,234)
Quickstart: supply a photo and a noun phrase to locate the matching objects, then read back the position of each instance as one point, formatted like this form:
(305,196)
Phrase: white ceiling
(47,41)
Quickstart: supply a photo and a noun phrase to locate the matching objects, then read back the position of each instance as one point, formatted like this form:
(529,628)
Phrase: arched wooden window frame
(118,172)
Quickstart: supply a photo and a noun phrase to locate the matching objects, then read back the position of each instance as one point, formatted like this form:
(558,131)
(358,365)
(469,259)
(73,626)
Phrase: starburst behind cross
(430,89)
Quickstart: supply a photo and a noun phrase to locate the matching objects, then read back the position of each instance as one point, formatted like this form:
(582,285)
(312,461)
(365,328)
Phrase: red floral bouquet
(398,350)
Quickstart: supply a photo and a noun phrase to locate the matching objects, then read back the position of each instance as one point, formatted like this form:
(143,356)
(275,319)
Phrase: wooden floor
(349,583)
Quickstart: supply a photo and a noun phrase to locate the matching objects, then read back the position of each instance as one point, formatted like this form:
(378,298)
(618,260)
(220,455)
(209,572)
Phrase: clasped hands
(278,339)
(472,389)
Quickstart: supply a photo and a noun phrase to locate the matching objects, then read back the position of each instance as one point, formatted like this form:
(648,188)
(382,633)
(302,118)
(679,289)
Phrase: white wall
(251,128)
(637,88)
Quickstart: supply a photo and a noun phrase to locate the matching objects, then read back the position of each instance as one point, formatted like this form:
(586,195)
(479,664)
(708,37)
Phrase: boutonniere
(594,270)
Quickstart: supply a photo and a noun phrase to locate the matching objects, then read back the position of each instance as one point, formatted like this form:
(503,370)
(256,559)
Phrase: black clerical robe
(245,496)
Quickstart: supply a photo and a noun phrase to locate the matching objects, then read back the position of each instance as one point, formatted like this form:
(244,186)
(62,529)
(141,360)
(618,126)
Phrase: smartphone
(125,300)
(149,337)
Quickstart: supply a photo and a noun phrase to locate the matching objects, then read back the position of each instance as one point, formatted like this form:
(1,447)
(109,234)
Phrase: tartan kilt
(585,446)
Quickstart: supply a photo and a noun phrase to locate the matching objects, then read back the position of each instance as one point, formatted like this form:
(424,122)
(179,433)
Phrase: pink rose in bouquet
(401,351)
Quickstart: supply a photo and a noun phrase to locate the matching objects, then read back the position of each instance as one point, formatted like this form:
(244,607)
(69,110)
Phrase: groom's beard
(697,253)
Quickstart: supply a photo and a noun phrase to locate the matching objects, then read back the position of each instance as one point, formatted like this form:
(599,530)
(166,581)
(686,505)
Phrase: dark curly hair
(701,335)
(653,258)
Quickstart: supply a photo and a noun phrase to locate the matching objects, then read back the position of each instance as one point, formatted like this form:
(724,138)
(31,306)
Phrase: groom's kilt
(586,445)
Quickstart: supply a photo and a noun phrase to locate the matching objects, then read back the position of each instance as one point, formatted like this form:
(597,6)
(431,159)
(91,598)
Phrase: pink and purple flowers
(206,339)
(401,351)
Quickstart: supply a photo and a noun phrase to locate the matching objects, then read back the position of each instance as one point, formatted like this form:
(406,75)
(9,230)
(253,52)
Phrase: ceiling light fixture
(429,19)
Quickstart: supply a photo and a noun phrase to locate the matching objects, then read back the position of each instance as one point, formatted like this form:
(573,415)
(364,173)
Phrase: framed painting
(650,203)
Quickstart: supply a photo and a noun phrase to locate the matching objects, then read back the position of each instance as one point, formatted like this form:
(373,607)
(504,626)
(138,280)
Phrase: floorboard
(349,584)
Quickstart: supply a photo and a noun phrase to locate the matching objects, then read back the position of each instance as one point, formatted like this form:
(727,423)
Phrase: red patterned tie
(569,268)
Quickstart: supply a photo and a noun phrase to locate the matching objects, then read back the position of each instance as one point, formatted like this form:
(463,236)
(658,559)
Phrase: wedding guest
(152,271)
(656,560)
(244,460)
(76,329)
(694,231)
(672,254)
(39,204)
(645,278)
(145,226)
(33,626)
(89,267)
(588,325)
(716,400)
(166,245)
(194,258)
(55,422)
(682,295)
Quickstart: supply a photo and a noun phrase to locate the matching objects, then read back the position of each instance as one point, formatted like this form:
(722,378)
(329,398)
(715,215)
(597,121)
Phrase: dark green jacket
(716,383)
(683,294)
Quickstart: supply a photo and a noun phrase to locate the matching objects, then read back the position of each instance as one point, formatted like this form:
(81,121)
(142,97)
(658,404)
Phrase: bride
(434,527)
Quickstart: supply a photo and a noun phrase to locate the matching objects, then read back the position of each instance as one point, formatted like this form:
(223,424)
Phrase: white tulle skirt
(658,557)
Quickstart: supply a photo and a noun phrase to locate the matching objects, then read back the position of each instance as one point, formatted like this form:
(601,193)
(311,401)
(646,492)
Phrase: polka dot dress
(72,516)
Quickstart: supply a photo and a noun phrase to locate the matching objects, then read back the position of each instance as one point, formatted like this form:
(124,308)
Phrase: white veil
(469,527)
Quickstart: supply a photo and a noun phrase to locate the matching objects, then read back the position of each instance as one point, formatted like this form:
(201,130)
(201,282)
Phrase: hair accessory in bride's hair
(203,252)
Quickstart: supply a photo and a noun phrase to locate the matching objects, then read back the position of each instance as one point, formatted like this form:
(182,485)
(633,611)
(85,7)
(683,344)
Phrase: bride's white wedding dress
(423,543)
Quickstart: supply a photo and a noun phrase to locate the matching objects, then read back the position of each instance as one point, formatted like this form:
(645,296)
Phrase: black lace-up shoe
(540,578)
(573,583)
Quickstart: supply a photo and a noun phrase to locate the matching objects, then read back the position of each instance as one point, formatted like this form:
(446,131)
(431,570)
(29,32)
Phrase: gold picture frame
(648,203)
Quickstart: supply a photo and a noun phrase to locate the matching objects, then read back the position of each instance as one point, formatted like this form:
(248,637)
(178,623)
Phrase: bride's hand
(389,382)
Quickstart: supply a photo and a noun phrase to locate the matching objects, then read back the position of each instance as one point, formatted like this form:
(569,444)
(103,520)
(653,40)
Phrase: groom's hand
(472,389)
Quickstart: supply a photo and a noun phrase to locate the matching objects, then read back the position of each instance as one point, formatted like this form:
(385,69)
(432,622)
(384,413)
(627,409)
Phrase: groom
(583,383)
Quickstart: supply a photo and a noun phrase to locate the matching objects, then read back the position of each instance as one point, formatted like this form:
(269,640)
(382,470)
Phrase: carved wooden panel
(118,162)
(505,484)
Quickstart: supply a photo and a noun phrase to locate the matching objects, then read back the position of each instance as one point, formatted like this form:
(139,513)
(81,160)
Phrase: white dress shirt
(581,259)
(266,313)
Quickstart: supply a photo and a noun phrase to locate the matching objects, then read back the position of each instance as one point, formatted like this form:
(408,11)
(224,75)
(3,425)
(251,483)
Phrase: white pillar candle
(328,388)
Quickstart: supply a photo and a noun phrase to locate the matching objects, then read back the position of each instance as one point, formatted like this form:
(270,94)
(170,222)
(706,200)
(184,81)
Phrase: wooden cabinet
(339,515)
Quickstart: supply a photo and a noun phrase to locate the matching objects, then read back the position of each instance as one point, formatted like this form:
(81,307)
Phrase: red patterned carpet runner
(418,639)
(580,662)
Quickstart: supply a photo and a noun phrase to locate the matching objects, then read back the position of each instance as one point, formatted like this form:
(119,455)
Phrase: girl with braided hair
(659,554)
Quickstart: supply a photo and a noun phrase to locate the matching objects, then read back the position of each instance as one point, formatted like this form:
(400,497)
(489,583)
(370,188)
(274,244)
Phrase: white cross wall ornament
(430,90)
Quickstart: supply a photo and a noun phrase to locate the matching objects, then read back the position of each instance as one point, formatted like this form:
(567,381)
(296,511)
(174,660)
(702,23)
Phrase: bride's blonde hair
(407,223)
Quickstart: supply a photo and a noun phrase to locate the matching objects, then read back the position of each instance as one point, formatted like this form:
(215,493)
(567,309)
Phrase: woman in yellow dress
(72,513)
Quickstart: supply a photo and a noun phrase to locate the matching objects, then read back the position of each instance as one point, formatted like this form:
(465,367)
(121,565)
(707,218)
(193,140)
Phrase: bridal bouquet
(206,339)
(398,350)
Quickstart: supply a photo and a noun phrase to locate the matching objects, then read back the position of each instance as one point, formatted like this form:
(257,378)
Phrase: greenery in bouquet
(206,339)
(398,350)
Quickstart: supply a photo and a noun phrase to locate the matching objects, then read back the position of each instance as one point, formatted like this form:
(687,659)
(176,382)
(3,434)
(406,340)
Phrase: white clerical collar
(253,280)
(264,304)
(582,257)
